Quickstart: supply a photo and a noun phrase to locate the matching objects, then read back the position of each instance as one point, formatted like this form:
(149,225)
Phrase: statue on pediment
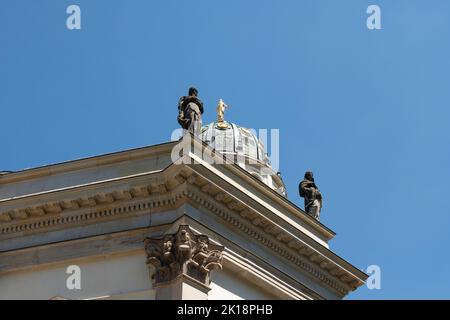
(190,110)
(311,193)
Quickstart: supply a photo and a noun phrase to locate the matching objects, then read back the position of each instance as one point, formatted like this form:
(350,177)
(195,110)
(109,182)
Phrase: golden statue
(221,106)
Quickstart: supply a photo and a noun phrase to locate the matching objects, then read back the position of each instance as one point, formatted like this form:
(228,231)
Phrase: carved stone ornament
(183,253)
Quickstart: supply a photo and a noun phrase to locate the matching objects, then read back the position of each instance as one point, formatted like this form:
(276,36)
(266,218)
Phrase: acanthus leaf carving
(183,253)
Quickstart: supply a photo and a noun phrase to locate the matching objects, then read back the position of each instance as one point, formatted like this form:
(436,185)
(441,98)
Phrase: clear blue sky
(367,111)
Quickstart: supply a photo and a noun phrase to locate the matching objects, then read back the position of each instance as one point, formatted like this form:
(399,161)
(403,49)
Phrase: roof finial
(221,106)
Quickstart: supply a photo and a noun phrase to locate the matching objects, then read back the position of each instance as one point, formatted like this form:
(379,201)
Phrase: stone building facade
(139,225)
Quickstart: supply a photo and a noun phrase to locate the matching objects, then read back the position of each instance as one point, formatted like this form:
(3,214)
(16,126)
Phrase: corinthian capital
(183,253)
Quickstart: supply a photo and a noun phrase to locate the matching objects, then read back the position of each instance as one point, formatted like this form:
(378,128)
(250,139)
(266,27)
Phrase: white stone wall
(226,286)
(114,276)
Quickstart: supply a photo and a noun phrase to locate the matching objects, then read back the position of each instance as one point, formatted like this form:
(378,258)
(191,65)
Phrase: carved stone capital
(183,253)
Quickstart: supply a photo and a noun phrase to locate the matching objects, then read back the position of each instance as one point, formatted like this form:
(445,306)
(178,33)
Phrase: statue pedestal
(182,287)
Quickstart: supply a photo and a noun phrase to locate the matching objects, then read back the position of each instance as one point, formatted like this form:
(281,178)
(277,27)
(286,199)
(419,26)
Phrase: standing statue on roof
(190,110)
(312,195)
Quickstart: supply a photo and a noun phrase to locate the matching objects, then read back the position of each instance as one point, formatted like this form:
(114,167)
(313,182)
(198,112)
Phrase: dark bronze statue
(190,110)
(312,195)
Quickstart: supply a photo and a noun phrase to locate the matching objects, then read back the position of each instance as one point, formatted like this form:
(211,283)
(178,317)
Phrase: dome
(246,150)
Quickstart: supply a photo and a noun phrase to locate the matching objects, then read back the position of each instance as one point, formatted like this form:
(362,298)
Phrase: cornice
(67,166)
(280,242)
(151,151)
